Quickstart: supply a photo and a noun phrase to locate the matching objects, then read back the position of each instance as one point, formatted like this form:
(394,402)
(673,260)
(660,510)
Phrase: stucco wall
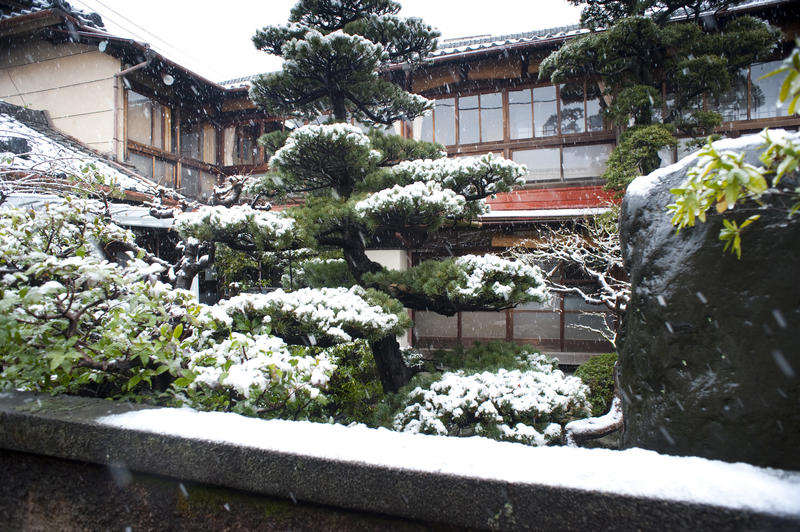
(393,259)
(74,83)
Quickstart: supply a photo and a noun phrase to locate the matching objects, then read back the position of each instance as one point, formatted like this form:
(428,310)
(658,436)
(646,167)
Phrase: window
(543,164)
(585,161)
(241,144)
(572,110)
(197,183)
(468,121)
(444,120)
(199,142)
(733,104)
(149,122)
(764,92)
(545,115)
(568,162)
(491,117)
(520,114)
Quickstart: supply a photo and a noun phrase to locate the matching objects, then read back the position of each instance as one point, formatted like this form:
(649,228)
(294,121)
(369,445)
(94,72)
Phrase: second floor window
(149,122)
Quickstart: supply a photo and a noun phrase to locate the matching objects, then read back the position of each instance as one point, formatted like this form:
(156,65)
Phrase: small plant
(598,374)
(528,405)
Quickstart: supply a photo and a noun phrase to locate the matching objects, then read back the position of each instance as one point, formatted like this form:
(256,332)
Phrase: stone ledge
(68,427)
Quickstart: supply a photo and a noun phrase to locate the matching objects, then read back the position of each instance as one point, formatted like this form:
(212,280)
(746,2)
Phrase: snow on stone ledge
(634,472)
(643,185)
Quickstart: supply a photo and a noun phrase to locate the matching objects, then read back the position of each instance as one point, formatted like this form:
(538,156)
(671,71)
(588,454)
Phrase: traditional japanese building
(164,122)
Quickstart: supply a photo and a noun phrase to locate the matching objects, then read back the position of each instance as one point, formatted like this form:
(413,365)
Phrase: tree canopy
(363,190)
(653,61)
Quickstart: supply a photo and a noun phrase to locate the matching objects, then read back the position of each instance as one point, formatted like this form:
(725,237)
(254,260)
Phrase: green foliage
(528,405)
(640,52)
(486,282)
(790,88)
(637,154)
(318,272)
(490,356)
(328,70)
(721,180)
(598,374)
(237,267)
(354,390)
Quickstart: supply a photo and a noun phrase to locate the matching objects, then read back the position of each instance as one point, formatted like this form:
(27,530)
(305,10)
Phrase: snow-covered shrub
(317,272)
(255,374)
(483,281)
(524,405)
(73,322)
(69,319)
(321,316)
(417,204)
(239,224)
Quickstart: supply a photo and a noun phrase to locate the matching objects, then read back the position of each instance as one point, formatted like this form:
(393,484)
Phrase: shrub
(524,405)
(483,357)
(598,374)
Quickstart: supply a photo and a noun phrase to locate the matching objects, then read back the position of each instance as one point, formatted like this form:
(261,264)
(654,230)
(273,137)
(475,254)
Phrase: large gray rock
(710,352)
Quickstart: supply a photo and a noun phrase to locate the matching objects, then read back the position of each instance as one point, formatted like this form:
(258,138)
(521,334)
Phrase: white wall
(74,83)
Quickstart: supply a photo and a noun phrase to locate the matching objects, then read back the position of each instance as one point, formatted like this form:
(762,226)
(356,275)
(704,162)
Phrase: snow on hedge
(526,406)
(261,368)
(208,222)
(339,134)
(490,274)
(323,315)
(468,176)
(420,199)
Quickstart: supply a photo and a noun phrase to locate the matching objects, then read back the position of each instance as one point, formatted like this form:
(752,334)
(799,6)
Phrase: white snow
(634,472)
(644,185)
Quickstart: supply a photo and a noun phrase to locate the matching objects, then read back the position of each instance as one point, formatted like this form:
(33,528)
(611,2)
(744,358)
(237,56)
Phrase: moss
(598,374)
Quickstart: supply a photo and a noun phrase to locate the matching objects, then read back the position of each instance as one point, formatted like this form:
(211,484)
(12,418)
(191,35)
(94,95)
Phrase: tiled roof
(18,8)
(47,152)
(453,47)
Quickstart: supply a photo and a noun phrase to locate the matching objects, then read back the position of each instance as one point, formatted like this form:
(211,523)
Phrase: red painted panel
(553,198)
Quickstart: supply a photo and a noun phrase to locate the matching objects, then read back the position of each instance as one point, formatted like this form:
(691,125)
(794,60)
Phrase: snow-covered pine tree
(363,188)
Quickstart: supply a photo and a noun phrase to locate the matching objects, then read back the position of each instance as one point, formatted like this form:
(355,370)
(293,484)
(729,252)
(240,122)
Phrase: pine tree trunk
(392,368)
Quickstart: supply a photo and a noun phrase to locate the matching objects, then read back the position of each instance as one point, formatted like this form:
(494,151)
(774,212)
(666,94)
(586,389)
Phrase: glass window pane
(575,323)
(140,112)
(491,117)
(586,161)
(733,104)
(468,131)
(520,117)
(207,184)
(230,145)
(594,113)
(542,164)
(191,141)
(483,324)
(572,108)
(545,116)
(430,324)
(164,173)
(445,118)
(190,181)
(423,128)
(143,164)
(158,123)
(765,91)
(537,325)
(209,144)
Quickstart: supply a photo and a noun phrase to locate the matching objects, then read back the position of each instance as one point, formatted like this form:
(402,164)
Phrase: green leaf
(178,331)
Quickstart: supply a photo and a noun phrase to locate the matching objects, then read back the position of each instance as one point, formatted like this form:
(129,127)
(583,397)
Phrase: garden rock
(710,358)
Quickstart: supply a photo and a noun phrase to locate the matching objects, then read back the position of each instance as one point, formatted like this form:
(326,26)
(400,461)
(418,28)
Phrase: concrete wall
(63,468)
(74,83)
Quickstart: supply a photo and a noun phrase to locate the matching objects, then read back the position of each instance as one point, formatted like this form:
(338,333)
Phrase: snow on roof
(461,46)
(121,213)
(633,472)
(21,8)
(542,214)
(50,153)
